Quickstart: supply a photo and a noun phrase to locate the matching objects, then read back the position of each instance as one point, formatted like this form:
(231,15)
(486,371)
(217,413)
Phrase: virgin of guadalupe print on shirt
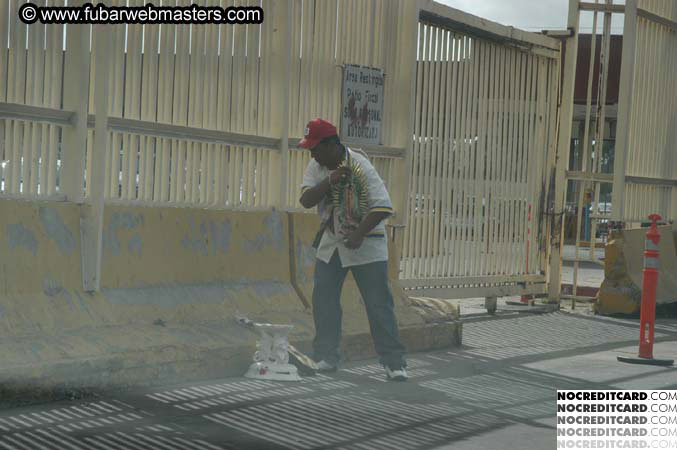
(350,198)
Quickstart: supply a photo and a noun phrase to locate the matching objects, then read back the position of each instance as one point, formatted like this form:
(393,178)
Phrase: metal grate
(347,421)
(504,339)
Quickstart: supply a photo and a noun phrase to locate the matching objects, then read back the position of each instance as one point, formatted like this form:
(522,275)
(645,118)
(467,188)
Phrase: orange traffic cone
(647,315)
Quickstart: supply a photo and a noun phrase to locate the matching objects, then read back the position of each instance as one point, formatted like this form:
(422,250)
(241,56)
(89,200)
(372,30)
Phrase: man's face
(323,154)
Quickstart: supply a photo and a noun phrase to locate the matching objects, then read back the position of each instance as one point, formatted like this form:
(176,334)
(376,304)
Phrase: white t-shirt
(374,246)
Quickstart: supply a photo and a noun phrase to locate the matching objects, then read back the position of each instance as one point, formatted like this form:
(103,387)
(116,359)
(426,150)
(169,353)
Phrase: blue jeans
(372,281)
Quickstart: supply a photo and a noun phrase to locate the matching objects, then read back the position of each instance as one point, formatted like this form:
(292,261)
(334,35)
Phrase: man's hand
(354,240)
(339,174)
(314,195)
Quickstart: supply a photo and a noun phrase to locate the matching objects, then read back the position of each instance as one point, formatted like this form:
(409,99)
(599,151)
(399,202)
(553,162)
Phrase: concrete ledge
(171,354)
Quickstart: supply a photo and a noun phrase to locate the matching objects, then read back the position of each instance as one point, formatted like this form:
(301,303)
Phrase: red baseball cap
(316,130)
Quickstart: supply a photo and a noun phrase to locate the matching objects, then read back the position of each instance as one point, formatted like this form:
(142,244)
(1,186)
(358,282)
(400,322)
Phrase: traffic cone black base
(645,361)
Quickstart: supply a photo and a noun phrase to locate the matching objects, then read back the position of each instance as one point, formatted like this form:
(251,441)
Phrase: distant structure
(610,113)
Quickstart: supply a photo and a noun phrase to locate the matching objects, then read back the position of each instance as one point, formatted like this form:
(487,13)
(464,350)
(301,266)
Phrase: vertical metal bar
(464,62)
(514,154)
(5,14)
(476,164)
(493,104)
(88,163)
(35,71)
(223,111)
(182,173)
(585,155)
(25,150)
(520,210)
(294,111)
(314,47)
(236,185)
(601,124)
(426,231)
(410,240)
(439,155)
(563,147)
(425,133)
(208,175)
(183,166)
(117,68)
(149,110)
(53,90)
(92,218)
(288,57)
(196,103)
(461,87)
(35,88)
(305,62)
(534,170)
(523,194)
(551,93)
(16,64)
(521,202)
(448,98)
(193,154)
(219,175)
(125,174)
(431,251)
(624,109)
(473,153)
(44,158)
(13,163)
(505,163)
(419,160)
(637,138)
(76,75)
(165,149)
(506,151)
(16,84)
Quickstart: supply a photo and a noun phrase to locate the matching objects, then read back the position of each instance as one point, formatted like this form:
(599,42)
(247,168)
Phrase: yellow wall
(161,265)
(149,246)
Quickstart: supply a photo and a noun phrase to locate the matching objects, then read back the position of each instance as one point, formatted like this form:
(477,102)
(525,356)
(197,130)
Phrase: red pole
(647,314)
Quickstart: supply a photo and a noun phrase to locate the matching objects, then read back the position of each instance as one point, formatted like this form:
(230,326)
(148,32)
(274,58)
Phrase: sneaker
(398,374)
(324,366)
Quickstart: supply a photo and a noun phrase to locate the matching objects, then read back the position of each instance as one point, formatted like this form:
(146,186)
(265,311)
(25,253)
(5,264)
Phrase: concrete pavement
(495,392)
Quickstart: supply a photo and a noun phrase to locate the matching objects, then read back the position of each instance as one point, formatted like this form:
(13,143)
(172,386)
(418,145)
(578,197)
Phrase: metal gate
(483,152)
(641,171)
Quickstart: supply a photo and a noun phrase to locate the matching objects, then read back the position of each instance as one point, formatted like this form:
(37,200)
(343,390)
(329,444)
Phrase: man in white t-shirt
(360,246)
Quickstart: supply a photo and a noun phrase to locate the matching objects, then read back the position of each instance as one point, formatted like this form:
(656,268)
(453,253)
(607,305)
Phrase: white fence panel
(653,117)
(482,126)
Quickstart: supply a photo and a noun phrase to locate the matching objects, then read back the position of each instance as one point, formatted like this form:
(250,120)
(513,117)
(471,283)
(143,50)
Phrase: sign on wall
(362,104)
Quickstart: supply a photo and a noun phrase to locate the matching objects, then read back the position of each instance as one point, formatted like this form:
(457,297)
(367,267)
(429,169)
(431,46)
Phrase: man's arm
(314,195)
